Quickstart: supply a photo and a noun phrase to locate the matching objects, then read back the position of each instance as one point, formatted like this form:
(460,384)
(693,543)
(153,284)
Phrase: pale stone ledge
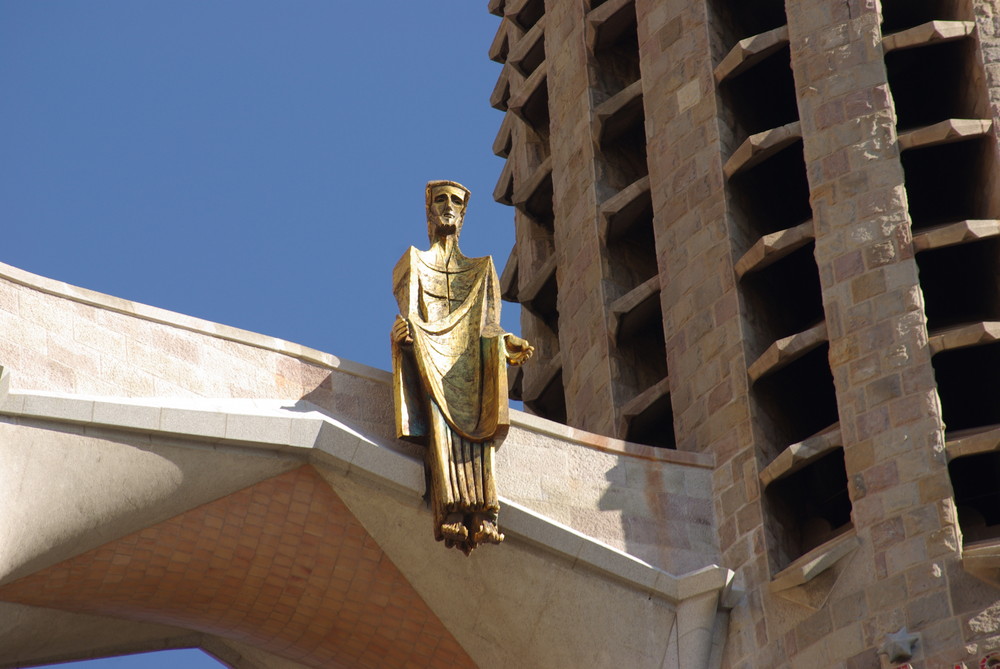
(945,132)
(500,97)
(500,46)
(972,441)
(774,246)
(816,561)
(616,114)
(758,148)
(641,402)
(622,210)
(633,308)
(608,21)
(529,50)
(503,141)
(964,336)
(927,33)
(797,456)
(952,234)
(503,192)
(586,553)
(509,277)
(529,196)
(273,426)
(786,350)
(532,92)
(750,51)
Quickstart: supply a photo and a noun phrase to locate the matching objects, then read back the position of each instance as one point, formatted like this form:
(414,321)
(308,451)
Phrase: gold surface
(449,359)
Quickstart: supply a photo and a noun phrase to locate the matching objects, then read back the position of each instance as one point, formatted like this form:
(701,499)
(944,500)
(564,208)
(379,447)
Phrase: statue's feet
(487,533)
(454,532)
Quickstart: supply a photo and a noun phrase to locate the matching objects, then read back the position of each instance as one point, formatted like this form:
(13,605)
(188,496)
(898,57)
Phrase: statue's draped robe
(451,384)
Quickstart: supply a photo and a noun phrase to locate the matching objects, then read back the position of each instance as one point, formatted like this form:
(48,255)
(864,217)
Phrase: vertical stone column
(583,329)
(701,309)
(698,294)
(987,18)
(890,419)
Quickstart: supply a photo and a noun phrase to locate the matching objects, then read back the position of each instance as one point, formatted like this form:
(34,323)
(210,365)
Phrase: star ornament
(899,646)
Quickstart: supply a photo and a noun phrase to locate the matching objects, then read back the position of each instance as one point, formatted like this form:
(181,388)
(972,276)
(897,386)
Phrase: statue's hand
(518,350)
(401,331)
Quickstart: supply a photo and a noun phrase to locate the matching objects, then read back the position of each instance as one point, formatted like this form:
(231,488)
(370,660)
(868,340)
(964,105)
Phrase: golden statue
(449,363)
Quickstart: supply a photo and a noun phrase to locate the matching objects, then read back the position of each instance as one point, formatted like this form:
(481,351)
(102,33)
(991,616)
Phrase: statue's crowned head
(446,203)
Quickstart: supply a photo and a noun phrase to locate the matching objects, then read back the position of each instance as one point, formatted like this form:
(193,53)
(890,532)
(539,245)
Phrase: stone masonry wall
(583,332)
(705,352)
(653,505)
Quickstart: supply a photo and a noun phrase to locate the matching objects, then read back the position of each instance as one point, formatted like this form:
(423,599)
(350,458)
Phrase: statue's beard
(444,227)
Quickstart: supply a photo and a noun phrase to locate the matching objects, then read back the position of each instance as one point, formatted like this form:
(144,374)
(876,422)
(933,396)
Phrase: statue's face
(447,209)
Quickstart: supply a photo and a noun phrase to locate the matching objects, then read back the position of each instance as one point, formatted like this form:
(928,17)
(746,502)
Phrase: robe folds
(450,385)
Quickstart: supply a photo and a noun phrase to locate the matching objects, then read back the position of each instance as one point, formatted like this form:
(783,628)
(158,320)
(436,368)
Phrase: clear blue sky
(258,164)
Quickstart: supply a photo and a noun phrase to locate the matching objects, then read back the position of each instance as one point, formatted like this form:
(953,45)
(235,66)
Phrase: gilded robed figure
(449,358)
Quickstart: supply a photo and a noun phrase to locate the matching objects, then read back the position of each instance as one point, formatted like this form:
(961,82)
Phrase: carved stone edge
(798,455)
(527,88)
(786,350)
(635,406)
(534,283)
(508,278)
(964,336)
(524,191)
(496,7)
(627,303)
(952,234)
(525,44)
(598,16)
(972,441)
(504,35)
(980,556)
(502,142)
(503,192)
(945,132)
(927,33)
(612,107)
(757,148)
(815,562)
(584,551)
(611,207)
(750,51)
(773,247)
(500,97)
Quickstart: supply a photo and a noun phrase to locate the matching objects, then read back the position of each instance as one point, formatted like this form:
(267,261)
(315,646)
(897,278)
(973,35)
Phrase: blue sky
(258,164)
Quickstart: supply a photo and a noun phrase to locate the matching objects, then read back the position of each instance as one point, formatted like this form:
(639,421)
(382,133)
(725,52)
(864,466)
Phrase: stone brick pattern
(61,345)
(283,566)
(898,561)
(587,379)
(701,308)
(598,371)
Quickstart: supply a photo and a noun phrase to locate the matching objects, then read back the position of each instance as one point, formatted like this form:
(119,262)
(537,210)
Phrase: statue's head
(446,202)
